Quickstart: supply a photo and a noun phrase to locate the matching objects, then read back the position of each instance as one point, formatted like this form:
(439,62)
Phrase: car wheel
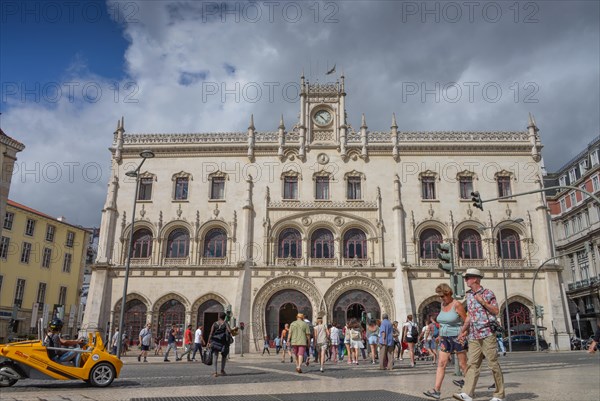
(102,375)
(4,380)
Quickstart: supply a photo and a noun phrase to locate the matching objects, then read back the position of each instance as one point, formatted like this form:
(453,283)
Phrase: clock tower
(322,114)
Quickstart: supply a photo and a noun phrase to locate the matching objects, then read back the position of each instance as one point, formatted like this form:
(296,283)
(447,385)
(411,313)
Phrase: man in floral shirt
(482,309)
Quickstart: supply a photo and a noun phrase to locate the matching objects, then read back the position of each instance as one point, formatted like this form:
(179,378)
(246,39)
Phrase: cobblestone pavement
(528,376)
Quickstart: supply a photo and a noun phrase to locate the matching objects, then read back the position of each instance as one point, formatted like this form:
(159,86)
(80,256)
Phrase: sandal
(215,375)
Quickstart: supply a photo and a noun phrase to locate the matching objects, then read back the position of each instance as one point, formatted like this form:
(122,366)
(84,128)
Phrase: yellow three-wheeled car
(29,359)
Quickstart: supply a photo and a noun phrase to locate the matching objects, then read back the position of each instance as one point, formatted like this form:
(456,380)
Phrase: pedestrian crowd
(470,332)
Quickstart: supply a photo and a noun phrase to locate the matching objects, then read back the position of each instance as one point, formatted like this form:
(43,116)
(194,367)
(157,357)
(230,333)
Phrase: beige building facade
(318,217)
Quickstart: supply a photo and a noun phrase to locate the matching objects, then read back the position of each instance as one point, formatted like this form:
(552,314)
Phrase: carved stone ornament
(469,211)
(274,285)
(143,211)
(179,211)
(357,281)
(216,211)
(289,261)
(306,221)
(508,211)
(431,211)
(338,221)
(160,220)
(322,158)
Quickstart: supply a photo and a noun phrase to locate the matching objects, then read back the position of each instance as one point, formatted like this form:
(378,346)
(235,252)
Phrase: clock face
(322,117)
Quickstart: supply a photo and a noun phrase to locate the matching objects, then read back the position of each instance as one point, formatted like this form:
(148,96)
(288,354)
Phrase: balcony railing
(175,261)
(323,261)
(584,283)
(213,261)
(289,261)
(512,263)
(355,262)
(471,262)
(140,262)
(429,262)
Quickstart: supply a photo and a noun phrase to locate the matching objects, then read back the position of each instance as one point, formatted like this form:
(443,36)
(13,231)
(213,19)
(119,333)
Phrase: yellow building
(42,261)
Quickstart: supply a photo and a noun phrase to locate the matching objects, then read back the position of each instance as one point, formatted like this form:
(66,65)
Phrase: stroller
(421,352)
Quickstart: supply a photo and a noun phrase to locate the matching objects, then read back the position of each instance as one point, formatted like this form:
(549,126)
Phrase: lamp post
(535,325)
(519,220)
(146,154)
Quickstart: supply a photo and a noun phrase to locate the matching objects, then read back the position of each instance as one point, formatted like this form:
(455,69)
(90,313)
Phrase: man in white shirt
(145,338)
(198,342)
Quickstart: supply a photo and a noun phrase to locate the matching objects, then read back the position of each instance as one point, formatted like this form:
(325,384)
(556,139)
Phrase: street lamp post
(146,154)
(535,325)
(519,220)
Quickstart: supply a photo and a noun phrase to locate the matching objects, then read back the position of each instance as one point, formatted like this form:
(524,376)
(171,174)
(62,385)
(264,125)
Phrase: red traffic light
(242,325)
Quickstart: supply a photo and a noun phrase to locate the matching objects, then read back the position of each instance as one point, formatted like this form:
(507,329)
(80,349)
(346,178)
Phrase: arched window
(430,239)
(178,243)
(510,244)
(215,243)
(355,244)
(142,244)
(322,244)
(290,244)
(470,244)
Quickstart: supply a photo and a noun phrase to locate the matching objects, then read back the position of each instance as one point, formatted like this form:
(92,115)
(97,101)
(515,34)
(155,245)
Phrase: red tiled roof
(28,209)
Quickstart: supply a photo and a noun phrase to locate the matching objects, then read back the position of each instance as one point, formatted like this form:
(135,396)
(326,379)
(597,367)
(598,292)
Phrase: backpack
(414,331)
(436,330)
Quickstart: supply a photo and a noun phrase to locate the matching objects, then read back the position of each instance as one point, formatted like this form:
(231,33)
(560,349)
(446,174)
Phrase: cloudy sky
(70,70)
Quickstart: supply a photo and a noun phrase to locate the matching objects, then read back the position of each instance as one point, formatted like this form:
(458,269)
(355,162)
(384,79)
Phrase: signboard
(34,314)
(45,312)
(72,312)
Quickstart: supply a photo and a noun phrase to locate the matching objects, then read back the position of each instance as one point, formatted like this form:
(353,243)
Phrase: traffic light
(458,285)
(477,202)
(11,325)
(445,254)
(242,326)
(539,311)
(228,313)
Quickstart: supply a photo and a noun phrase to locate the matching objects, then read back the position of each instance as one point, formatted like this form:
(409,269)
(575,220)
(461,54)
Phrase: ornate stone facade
(323,212)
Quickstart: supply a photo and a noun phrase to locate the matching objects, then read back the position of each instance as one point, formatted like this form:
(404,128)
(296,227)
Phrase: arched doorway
(282,308)
(520,318)
(208,313)
(355,311)
(171,312)
(352,304)
(431,309)
(135,320)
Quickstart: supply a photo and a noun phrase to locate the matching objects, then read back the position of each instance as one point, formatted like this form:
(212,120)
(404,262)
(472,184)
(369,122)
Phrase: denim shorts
(451,345)
(373,340)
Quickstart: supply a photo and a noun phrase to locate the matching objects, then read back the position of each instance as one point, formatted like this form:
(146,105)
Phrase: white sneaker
(462,397)
(497,399)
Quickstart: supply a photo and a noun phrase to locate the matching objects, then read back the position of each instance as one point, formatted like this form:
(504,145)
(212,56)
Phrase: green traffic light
(445,254)
(477,202)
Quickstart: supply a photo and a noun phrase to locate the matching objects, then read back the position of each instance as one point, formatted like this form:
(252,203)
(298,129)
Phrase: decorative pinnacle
(251,126)
(394,124)
(281,125)
(363,123)
(531,120)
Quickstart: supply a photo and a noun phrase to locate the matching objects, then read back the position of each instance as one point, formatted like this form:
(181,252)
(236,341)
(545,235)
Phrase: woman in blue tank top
(451,318)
